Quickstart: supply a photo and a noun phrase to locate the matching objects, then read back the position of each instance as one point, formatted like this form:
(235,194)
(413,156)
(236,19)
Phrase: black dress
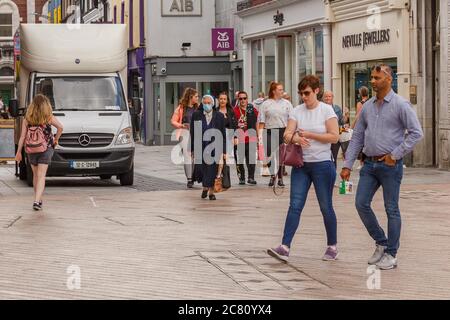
(206,172)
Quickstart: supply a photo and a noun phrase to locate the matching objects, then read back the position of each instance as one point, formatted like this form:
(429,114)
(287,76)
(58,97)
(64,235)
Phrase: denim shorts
(41,158)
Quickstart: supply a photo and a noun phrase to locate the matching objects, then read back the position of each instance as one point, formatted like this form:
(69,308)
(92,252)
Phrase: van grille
(86,140)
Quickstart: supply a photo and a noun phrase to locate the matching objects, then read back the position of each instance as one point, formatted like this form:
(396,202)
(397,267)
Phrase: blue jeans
(322,175)
(372,176)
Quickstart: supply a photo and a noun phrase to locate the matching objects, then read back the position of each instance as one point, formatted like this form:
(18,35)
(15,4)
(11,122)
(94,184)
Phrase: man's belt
(375,158)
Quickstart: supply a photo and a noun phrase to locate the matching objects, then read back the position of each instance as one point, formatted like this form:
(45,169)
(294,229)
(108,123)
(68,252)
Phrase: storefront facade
(284,41)
(177,58)
(368,39)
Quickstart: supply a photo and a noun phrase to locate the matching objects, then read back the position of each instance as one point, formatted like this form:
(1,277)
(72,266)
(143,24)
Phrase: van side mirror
(13,108)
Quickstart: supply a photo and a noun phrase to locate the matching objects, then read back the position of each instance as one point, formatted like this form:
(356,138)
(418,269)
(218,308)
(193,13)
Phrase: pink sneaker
(330,254)
(279,253)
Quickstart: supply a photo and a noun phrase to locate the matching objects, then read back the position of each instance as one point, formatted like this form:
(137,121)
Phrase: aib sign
(223,39)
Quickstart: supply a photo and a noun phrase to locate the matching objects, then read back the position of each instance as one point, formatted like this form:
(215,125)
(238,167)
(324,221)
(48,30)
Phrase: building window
(130,23)
(318,55)
(6,26)
(6,72)
(174,91)
(142,22)
(305,50)
(122,13)
(256,67)
(269,62)
(311,54)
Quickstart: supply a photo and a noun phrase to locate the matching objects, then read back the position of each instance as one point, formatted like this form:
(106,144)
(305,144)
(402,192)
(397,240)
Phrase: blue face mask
(207,107)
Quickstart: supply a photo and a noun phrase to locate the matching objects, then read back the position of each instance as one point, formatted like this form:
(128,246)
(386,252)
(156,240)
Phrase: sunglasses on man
(243,98)
(379,68)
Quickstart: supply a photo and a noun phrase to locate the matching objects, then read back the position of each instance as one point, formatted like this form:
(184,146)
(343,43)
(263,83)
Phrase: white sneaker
(377,255)
(388,262)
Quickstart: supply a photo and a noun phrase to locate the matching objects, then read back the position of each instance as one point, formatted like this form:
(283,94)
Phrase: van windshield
(82,93)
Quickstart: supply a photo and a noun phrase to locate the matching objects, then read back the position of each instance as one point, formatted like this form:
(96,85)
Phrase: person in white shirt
(314,126)
(273,116)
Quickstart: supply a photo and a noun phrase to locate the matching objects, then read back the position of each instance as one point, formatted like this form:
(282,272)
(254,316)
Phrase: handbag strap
(293,135)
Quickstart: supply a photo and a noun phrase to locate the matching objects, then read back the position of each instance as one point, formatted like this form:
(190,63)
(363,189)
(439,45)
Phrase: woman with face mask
(208,144)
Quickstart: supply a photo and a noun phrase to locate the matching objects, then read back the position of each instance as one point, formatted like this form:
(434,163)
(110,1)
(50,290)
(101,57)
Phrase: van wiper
(71,109)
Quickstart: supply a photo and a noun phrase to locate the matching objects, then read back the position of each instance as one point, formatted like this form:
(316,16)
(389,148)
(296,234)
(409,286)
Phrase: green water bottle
(342,187)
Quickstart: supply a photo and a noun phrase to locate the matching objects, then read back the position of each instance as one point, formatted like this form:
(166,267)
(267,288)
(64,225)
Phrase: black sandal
(204,194)
(212,197)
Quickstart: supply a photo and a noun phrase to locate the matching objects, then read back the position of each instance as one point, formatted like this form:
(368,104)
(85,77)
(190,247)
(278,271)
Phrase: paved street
(158,240)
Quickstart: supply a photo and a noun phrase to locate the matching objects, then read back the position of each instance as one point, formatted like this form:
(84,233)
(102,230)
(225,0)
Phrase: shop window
(305,50)
(213,88)
(285,62)
(269,62)
(357,75)
(174,92)
(318,55)
(157,104)
(256,67)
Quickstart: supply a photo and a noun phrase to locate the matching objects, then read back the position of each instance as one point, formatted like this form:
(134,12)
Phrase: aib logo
(223,36)
(223,39)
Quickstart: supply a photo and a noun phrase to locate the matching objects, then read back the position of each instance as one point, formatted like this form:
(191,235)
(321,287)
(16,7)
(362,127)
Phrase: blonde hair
(39,111)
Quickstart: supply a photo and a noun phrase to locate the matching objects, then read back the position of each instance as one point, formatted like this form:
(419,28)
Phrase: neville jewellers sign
(223,39)
(365,39)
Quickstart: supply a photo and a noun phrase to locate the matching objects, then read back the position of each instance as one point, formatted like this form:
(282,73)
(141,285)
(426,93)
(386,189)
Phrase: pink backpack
(35,141)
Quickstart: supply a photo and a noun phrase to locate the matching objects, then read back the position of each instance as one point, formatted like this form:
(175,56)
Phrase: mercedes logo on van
(84,140)
(77,61)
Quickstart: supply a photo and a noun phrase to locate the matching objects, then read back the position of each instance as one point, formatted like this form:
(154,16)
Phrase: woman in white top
(314,126)
(274,116)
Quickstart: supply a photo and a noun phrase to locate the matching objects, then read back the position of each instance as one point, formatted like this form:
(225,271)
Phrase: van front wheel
(127,179)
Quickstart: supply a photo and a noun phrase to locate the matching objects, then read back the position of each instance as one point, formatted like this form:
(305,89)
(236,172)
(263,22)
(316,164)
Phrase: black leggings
(250,160)
(274,148)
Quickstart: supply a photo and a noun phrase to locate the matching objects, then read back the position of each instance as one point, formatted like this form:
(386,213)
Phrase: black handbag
(226,179)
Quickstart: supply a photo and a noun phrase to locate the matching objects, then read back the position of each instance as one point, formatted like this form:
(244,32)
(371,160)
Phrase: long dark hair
(228,100)
(187,96)
(230,110)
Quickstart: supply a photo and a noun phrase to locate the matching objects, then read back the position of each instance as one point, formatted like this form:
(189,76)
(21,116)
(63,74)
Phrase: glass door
(285,63)
(357,75)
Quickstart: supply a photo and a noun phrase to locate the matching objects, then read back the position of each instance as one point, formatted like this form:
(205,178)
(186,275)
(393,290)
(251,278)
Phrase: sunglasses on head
(381,69)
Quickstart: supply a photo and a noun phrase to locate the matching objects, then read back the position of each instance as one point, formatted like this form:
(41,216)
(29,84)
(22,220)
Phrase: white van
(82,69)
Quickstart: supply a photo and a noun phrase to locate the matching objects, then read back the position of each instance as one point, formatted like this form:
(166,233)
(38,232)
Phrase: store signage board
(181,8)
(222,39)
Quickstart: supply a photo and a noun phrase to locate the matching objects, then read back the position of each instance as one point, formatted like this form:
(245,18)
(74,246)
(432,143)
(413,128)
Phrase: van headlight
(125,136)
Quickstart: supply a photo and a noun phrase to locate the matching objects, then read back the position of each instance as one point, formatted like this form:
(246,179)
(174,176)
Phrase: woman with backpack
(39,143)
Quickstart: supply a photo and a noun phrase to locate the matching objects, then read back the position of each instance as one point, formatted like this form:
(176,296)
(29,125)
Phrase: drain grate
(149,183)
(256,271)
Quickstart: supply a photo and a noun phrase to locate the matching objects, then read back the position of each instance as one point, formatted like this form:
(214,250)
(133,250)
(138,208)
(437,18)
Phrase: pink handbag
(291,154)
